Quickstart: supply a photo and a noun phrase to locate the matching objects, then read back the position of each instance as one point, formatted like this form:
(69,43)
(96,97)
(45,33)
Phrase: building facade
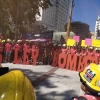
(92,35)
(97,27)
(54,17)
(81,29)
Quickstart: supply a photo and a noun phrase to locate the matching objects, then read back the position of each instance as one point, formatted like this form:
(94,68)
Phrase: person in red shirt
(64,49)
(1,46)
(73,50)
(35,48)
(19,47)
(83,52)
(90,51)
(27,46)
(3,51)
(8,50)
(97,53)
(59,48)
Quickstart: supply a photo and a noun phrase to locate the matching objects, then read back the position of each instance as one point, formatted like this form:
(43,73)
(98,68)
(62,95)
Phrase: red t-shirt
(8,47)
(26,46)
(83,53)
(37,48)
(64,50)
(18,46)
(72,51)
(34,48)
(90,53)
(97,55)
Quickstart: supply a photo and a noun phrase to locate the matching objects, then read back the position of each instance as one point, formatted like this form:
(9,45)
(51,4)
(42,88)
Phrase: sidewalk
(50,83)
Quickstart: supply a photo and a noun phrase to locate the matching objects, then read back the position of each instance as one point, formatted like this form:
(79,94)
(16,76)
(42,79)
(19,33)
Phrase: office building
(97,28)
(81,29)
(92,35)
(55,17)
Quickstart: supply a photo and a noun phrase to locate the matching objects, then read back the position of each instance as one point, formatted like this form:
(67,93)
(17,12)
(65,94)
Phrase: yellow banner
(96,43)
(70,42)
(83,43)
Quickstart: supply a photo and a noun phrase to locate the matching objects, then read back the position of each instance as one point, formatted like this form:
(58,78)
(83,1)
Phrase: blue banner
(44,35)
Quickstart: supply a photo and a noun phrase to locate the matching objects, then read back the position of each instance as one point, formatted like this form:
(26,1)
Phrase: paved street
(50,83)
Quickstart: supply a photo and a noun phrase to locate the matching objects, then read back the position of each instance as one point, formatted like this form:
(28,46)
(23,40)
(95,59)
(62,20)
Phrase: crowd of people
(89,77)
(46,50)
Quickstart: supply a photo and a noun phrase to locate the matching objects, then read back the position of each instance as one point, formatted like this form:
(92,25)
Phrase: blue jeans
(7,53)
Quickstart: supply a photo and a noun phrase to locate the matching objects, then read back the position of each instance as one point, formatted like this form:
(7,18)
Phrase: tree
(21,13)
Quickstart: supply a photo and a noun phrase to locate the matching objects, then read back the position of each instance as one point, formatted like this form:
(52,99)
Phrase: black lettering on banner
(89,75)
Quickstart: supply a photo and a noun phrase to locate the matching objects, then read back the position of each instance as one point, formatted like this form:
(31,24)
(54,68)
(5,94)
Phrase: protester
(90,83)
(97,53)
(79,49)
(44,54)
(83,52)
(90,51)
(46,50)
(8,49)
(1,46)
(19,47)
(3,51)
(73,50)
(64,49)
(27,46)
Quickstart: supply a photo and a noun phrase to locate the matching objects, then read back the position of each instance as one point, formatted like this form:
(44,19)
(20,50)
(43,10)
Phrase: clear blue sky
(86,11)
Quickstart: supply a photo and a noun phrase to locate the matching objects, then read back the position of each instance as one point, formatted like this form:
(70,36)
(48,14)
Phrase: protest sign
(76,38)
(70,42)
(88,41)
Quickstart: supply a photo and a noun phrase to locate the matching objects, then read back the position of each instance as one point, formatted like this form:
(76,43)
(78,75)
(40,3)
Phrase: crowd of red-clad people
(46,50)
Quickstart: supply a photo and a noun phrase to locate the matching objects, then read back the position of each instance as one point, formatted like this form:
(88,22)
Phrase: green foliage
(22,12)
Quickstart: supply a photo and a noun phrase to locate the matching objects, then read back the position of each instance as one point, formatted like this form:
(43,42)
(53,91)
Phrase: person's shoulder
(79,98)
